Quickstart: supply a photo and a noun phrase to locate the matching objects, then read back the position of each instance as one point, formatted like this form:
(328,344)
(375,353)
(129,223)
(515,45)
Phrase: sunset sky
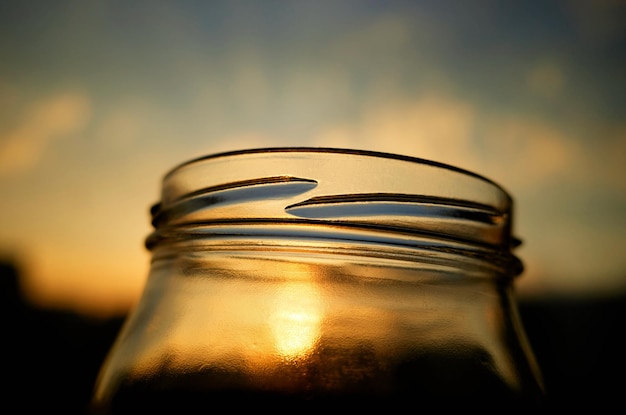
(99,99)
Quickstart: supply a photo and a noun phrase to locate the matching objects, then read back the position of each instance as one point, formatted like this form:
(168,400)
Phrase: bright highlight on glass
(295,322)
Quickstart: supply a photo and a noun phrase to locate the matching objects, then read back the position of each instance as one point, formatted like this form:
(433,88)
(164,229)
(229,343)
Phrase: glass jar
(303,278)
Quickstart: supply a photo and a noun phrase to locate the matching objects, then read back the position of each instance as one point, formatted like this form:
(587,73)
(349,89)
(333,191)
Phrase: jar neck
(348,244)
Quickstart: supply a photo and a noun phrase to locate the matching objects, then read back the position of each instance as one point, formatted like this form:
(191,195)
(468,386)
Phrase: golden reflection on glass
(295,321)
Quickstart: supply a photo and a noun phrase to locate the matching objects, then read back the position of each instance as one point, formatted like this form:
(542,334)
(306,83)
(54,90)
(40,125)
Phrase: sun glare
(296,319)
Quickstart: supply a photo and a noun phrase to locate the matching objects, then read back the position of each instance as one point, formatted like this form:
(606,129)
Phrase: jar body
(248,328)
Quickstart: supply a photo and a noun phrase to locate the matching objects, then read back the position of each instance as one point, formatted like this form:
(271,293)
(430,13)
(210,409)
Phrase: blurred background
(100,98)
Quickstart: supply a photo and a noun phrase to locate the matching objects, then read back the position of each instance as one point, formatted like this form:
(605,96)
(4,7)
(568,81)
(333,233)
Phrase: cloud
(599,21)
(122,124)
(546,79)
(529,151)
(432,126)
(46,120)
(617,155)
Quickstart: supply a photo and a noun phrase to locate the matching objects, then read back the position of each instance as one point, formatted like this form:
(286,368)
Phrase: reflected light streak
(238,324)
(295,322)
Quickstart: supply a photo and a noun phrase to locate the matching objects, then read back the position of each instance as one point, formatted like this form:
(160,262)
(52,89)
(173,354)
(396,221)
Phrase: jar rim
(334,150)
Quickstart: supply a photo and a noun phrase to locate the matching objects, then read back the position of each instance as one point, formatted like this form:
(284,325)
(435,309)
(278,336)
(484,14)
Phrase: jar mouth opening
(336,186)
(331,150)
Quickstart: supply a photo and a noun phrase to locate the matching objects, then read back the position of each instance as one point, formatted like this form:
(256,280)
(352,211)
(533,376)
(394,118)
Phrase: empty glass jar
(304,278)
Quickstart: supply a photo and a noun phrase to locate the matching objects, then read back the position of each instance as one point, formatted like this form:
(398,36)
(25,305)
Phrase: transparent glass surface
(302,278)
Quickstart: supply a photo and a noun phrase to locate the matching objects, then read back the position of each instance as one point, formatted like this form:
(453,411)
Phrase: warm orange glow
(49,119)
(295,321)
(255,325)
(72,279)
(82,149)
